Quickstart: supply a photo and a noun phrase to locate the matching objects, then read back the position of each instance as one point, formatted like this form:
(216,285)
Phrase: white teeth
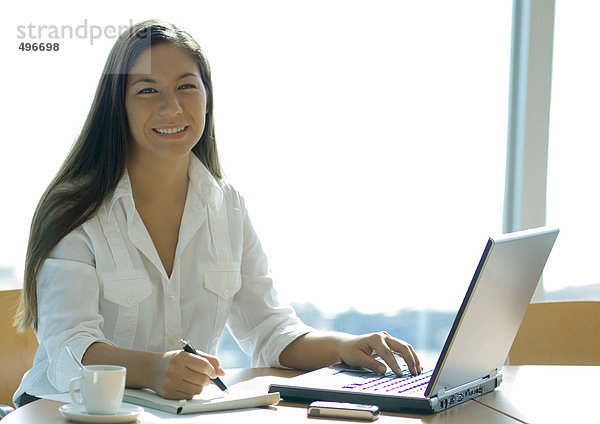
(169,131)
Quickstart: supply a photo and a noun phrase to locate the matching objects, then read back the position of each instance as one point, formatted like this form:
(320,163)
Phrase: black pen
(185,345)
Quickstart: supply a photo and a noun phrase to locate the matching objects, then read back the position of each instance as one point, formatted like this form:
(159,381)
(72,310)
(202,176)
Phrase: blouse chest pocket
(127,290)
(223,283)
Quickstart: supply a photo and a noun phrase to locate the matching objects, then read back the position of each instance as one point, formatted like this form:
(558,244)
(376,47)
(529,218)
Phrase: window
(368,138)
(371,151)
(573,171)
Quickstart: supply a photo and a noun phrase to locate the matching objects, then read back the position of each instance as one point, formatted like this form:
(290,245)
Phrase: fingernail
(381,369)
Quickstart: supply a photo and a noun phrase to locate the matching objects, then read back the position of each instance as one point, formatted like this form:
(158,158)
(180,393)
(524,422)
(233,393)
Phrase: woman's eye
(187,86)
(147,91)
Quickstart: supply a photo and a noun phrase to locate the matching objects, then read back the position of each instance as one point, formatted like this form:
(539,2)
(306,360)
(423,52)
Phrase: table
(547,394)
(520,398)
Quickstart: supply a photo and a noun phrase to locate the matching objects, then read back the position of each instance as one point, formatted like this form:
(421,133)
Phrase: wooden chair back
(558,333)
(16,350)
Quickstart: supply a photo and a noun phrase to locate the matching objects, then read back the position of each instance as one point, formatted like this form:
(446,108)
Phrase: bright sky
(574,147)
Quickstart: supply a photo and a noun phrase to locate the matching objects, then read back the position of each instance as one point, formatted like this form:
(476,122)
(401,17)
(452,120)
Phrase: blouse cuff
(66,368)
(269,357)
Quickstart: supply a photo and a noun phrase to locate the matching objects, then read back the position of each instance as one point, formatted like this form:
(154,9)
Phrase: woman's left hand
(360,351)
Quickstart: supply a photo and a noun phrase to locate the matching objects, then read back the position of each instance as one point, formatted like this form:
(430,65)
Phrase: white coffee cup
(101,388)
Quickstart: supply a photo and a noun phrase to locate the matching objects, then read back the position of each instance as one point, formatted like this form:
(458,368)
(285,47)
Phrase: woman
(138,242)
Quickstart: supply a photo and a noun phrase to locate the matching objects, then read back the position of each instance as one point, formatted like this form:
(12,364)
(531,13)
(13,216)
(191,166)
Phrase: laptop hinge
(492,373)
(441,393)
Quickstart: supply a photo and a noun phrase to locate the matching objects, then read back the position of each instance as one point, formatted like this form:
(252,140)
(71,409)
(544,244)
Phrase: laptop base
(296,390)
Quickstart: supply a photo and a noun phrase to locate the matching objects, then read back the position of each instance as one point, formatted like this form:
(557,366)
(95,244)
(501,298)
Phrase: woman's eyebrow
(150,80)
(189,74)
(143,80)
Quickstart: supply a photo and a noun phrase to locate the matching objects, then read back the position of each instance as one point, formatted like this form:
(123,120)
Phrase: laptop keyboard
(391,383)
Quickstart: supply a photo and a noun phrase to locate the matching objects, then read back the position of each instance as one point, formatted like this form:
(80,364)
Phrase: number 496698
(41,47)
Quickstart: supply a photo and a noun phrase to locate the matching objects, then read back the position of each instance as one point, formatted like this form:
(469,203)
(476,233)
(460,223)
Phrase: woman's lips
(171,132)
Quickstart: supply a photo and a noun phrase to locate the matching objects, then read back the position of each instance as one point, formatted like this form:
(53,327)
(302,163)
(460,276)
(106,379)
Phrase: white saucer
(126,414)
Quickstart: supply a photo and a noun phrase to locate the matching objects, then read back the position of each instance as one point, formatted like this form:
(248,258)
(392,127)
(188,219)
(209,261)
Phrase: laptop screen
(492,310)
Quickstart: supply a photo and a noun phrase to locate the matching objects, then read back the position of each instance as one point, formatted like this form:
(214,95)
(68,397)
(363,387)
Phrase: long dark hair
(97,160)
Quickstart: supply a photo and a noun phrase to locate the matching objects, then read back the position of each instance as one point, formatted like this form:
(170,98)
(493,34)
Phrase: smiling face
(165,102)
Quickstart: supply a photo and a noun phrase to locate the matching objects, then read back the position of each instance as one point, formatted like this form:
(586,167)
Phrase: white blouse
(104,282)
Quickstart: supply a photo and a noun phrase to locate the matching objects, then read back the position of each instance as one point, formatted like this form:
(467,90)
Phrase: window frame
(529,117)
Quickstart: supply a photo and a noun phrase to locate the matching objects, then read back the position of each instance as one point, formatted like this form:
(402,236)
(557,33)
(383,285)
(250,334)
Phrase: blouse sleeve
(67,297)
(261,324)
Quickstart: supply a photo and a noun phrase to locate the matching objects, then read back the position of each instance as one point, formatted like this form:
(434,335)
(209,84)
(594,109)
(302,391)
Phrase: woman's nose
(170,105)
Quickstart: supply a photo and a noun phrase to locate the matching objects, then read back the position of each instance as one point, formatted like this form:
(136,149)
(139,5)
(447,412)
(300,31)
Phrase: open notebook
(211,399)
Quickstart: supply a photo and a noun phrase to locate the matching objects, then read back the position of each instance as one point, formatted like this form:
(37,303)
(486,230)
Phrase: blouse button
(226,292)
(171,298)
(130,300)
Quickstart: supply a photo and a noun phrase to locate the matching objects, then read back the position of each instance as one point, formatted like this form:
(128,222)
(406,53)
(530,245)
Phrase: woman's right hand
(181,375)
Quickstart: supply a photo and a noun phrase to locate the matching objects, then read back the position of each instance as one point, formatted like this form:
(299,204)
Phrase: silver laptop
(475,350)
